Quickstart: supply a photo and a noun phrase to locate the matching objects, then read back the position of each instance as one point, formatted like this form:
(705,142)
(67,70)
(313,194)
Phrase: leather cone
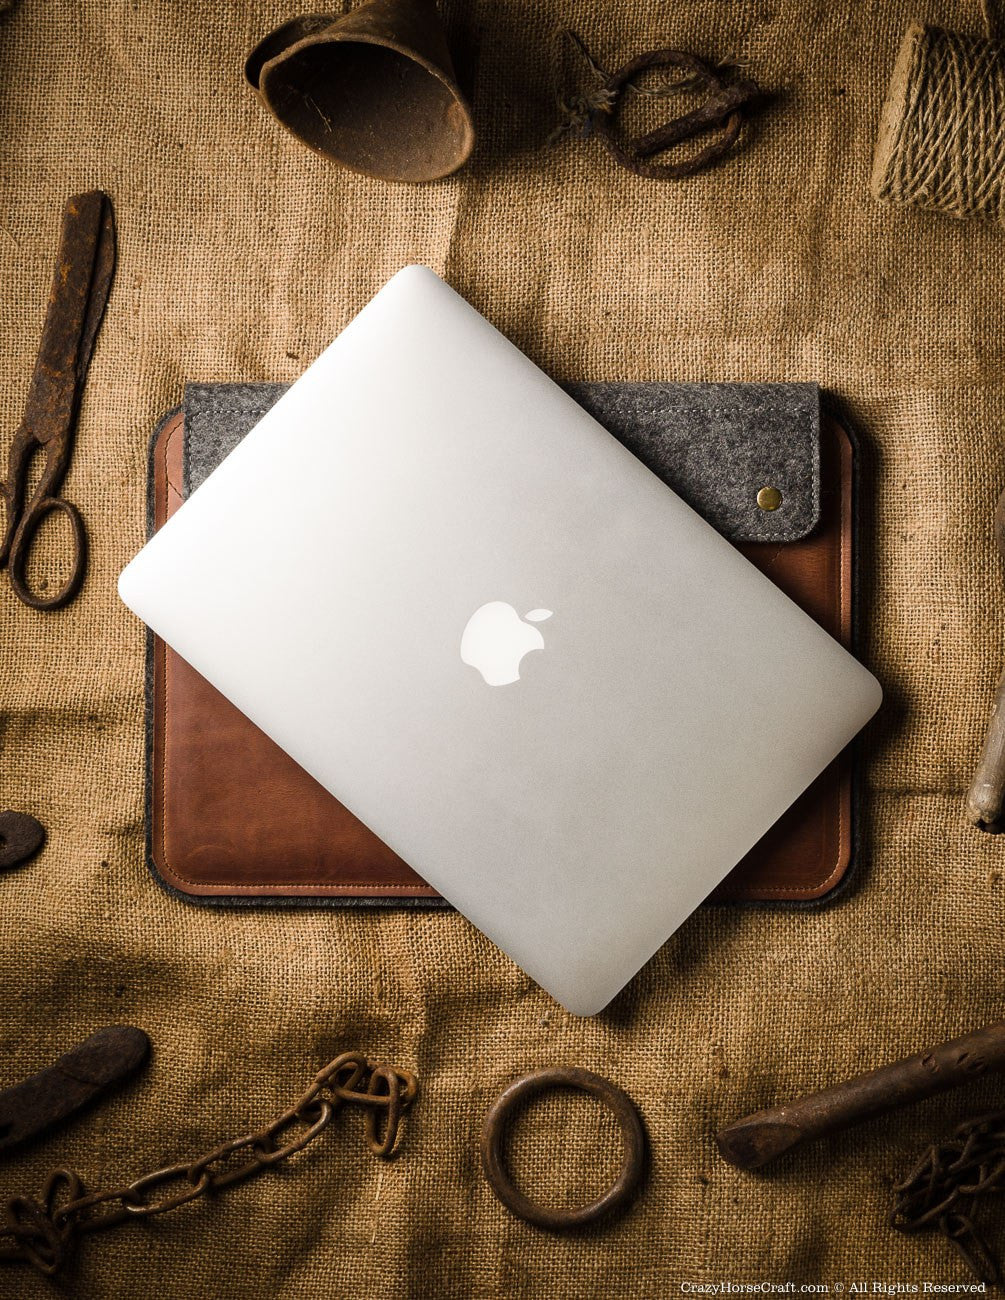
(373,89)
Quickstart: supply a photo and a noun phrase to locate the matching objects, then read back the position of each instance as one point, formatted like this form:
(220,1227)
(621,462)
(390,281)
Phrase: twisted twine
(942,134)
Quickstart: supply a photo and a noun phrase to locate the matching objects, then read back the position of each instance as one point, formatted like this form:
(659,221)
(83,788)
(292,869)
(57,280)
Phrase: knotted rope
(941,141)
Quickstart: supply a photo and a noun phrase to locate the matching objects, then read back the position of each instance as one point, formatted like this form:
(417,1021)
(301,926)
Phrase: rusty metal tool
(85,266)
(82,1074)
(986,796)
(43,1231)
(594,110)
(20,837)
(753,1141)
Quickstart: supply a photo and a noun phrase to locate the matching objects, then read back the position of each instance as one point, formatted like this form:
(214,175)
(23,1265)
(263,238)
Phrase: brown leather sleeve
(808,850)
(233,816)
(232,813)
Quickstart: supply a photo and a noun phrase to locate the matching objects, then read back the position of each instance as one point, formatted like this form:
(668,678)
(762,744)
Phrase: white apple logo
(496,640)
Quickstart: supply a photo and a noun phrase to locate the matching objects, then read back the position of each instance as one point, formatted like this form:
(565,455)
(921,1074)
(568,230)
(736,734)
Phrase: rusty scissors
(84,269)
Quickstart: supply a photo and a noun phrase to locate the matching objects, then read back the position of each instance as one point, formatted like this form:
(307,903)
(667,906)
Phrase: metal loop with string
(594,110)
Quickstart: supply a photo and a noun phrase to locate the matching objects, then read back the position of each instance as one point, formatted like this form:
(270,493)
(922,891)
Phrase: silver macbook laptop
(498,639)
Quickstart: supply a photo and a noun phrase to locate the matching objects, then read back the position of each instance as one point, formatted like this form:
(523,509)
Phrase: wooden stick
(753,1141)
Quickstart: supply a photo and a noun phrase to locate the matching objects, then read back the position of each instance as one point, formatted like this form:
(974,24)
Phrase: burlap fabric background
(241,256)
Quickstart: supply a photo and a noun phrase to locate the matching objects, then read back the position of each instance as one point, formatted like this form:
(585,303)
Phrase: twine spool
(941,140)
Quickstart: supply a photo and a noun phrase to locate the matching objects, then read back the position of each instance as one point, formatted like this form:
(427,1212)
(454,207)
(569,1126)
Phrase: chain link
(945,1188)
(43,1232)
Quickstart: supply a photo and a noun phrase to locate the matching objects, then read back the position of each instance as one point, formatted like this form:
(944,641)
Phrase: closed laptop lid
(498,639)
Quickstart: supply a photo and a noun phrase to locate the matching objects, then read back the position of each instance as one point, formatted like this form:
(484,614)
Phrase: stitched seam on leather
(423,890)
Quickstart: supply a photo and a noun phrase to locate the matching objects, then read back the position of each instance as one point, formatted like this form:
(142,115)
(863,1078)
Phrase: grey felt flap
(716,445)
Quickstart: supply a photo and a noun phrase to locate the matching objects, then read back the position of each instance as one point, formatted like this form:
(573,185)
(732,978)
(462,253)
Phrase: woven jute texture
(242,255)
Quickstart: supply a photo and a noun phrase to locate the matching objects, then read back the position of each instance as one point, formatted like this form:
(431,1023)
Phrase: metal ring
(724,111)
(528,1086)
(23,540)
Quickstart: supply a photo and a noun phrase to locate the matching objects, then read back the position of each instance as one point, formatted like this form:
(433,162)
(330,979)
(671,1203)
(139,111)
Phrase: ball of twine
(942,133)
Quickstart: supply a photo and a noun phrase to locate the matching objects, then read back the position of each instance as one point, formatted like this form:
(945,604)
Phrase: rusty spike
(753,1141)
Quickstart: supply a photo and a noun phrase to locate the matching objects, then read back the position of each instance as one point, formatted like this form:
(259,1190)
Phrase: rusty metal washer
(530,1085)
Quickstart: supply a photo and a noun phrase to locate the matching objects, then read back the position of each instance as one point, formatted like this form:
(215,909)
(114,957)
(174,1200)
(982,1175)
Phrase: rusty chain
(946,1186)
(43,1232)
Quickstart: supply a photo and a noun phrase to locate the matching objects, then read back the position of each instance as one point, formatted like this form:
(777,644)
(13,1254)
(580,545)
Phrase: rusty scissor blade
(85,266)
(82,1074)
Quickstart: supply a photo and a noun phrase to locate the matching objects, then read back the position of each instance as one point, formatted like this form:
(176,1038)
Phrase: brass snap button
(522,1090)
(769,498)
